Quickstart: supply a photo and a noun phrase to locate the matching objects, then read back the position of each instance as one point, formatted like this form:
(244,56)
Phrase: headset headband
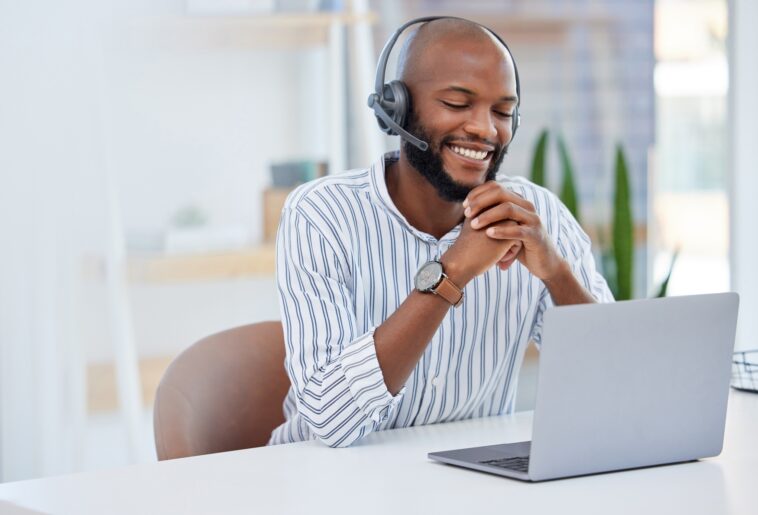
(381,66)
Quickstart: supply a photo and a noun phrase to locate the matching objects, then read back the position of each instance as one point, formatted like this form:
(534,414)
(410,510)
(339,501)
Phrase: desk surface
(390,473)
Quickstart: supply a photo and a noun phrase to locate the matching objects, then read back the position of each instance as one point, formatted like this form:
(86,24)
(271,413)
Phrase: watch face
(429,276)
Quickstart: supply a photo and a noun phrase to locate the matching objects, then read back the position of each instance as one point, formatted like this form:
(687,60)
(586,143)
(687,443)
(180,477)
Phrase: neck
(419,202)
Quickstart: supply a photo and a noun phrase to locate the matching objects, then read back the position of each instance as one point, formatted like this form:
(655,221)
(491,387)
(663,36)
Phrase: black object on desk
(745,370)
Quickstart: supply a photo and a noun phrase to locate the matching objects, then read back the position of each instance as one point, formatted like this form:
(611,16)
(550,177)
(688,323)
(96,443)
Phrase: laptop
(620,386)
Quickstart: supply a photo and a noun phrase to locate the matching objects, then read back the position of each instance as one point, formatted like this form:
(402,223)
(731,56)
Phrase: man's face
(464,95)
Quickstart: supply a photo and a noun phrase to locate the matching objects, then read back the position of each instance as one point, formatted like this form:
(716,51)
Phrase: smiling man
(411,289)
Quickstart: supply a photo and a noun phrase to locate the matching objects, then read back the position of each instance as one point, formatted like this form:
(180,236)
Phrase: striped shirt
(346,260)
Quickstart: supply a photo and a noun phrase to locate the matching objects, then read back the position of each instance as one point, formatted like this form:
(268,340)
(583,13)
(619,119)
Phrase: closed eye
(504,115)
(454,106)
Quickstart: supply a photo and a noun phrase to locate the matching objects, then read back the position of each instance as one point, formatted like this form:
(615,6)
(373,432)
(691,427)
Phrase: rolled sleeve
(366,381)
(339,387)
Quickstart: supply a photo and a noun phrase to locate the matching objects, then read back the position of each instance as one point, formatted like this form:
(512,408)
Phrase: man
(367,348)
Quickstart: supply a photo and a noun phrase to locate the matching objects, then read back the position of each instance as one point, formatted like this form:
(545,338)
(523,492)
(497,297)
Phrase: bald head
(446,31)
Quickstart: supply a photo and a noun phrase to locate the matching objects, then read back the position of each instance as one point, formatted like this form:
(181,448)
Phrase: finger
(510,232)
(472,203)
(505,265)
(516,257)
(504,212)
(513,249)
(482,188)
(512,252)
(480,199)
(509,256)
(484,196)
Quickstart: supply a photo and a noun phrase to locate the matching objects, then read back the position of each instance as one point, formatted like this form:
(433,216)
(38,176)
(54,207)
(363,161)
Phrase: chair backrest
(223,393)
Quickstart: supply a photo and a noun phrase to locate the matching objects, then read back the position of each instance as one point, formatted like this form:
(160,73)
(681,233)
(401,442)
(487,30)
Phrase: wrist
(455,272)
(565,288)
(560,273)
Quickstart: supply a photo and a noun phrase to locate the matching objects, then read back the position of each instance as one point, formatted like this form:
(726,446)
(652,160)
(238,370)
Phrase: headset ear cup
(401,102)
(394,102)
(380,104)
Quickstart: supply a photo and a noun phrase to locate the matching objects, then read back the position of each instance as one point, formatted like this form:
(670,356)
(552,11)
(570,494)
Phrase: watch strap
(449,291)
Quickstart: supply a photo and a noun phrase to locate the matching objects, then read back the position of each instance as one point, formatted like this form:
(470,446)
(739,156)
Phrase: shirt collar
(379,182)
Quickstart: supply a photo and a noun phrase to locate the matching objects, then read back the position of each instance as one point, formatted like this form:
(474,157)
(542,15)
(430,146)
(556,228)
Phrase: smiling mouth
(475,155)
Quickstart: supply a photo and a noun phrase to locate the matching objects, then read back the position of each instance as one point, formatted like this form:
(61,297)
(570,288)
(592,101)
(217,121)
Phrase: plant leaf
(665,284)
(568,187)
(623,228)
(608,264)
(538,159)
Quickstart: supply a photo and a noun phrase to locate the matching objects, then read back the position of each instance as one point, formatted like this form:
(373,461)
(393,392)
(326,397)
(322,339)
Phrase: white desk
(390,473)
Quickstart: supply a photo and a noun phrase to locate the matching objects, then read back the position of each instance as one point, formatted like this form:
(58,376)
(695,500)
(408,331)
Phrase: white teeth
(473,154)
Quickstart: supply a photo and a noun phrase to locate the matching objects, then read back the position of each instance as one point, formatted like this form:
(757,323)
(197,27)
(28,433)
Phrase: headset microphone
(391,101)
(375,103)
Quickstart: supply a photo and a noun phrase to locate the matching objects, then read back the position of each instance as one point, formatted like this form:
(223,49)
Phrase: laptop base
(509,460)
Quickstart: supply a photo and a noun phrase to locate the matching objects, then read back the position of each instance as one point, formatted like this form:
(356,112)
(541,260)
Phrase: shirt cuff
(366,381)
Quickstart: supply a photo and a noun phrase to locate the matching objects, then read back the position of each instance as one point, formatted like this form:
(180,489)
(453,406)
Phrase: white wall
(197,121)
(200,124)
(743,117)
(89,86)
(48,133)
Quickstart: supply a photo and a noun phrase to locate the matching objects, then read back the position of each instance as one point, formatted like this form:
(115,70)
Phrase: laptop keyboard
(519,464)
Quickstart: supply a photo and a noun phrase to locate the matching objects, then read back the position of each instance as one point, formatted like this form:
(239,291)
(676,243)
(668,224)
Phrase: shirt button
(437,382)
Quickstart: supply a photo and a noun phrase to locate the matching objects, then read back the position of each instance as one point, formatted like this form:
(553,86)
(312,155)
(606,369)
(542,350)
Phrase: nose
(481,125)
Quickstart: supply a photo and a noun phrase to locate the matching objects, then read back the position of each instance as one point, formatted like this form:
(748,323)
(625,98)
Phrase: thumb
(511,252)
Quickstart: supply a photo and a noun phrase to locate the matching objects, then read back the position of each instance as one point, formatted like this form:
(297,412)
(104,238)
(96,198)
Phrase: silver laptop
(623,385)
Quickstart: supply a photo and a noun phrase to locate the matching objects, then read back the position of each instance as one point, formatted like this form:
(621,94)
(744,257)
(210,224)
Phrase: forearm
(565,288)
(402,338)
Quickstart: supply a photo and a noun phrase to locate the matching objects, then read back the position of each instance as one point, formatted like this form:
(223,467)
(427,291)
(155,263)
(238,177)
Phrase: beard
(429,163)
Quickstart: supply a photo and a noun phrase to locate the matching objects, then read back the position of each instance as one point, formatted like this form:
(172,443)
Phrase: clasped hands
(505,216)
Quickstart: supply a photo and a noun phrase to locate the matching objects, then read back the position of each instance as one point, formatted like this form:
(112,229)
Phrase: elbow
(334,435)
(332,424)
(335,443)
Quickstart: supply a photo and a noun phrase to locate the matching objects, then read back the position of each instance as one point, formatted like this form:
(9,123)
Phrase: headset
(391,101)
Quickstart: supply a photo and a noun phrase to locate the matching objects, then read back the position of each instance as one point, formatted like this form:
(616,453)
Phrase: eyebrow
(467,91)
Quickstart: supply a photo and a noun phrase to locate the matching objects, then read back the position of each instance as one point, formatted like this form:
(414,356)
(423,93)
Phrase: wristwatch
(431,278)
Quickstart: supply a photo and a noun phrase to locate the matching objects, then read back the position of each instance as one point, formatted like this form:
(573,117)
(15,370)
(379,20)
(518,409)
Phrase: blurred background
(146,148)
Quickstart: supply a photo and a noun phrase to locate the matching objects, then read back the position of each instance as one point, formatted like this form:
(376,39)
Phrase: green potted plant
(617,258)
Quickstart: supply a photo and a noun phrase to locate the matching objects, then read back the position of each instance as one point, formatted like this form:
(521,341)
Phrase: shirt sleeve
(332,364)
(576,247)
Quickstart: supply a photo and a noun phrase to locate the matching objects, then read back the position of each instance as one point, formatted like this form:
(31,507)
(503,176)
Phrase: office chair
(223,393)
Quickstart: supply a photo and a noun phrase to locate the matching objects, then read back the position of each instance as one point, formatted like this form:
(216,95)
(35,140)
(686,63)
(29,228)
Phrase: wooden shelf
(251,262)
